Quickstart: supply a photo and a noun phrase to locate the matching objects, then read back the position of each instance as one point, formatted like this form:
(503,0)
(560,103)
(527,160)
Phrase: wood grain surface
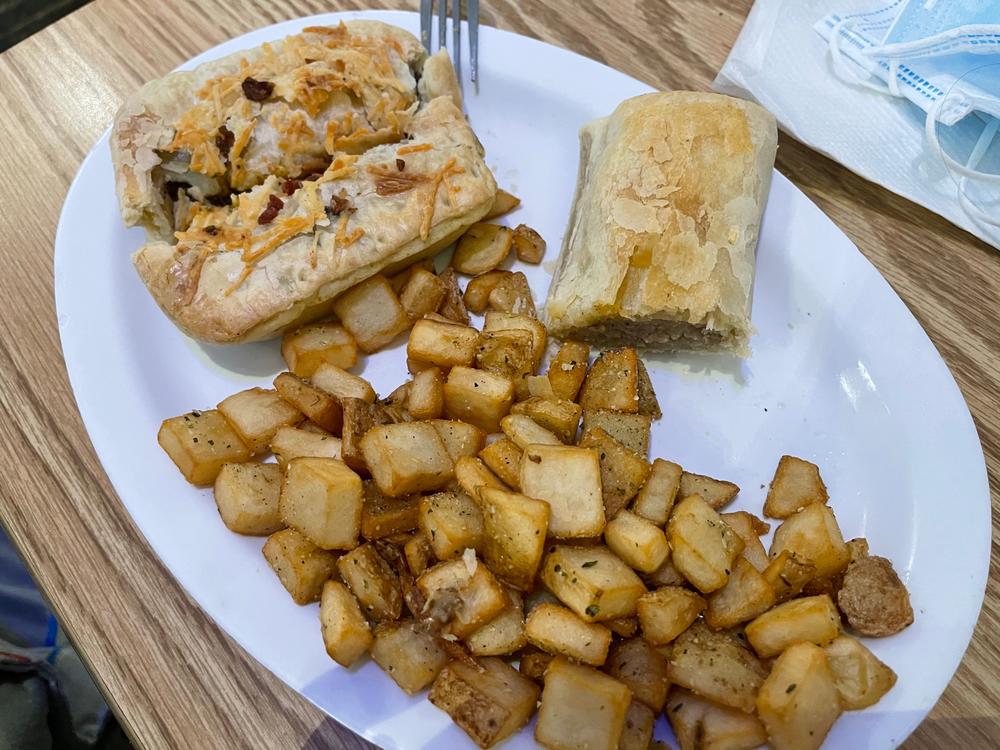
(173,678)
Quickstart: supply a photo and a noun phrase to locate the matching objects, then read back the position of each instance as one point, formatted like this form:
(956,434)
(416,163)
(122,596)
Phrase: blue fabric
(25,618)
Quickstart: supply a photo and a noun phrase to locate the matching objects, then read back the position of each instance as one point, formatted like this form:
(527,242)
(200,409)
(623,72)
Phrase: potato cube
(667,612)
(423,293)
(503,458)
(746,595)
(296,442)
(640,666)
(466,593)
(514,535)
(665,575)
(440,344)
(699,724)
(479,398)
(489,703)
(798,702)
(406,458)
(472,476)
(814,537)
(322,498)
(532,664)
(796,484)
(528,244)
(631,430)
(509,321)
(860,677)
(581,708)
(341,383)
(704,547)
(482,248)
(503,203)
(452,521)
(524,431)
(657,496)
(613,382)
(418,552)
(460,438)
(814,619)
(321,407)
(716,492)
(638,731)
(247,498)
(513,295)
(346,634)
(306,348)
(637,541)
(200,443)
(257,414)
(452,307)
(301,566)
(716,666)
(426,398)
(400,279)
(502,635)
(555,629)
(373,581)
(626,627)
(788,575)
(568,369)
(372,312)
(569,480)
(506,353)
(648,403)
(622,472)
(592,581)
(383,516)
(409,653)
(558,416)
(749,528)
(477,291)
(539,387)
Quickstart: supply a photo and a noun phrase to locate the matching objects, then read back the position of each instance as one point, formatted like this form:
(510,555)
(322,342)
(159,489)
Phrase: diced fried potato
(569,480)
(626,627)
(568,369)
(477,397)
(622,472)
(200,443)
(359,417)
(515,527)
(321,407)
(814,537)
(477,291)
(383,516)
(371,311)
(322,498)
(798,702)
(539,386)
(525,431)
(426,397)
(613,382)
(502,635)
(716,666)
(533,664)
(466,599)
(306,348)
(409,653)
(665,575)
(406,458)
(581,708)
(559,416)
(715,492)
(699,724)
(452,521)
(489,703)
(503,458)
(506,321)
(592,581)
(746,595)
(473,476)
(787,575)
(342,384)
(257,414)
(503,203)
(247,498)
(345,630)
(506,353)
(399,280)
(398,398)
(640,666)
(300,565)
(704,547)
(631,430)
(873,599)
(418,552)
(861,678)
(657,496)
(292,442)
(796,484)
(460,438)
(453,307)
(513,295)
(373,581)
(749,528)
(482,248)
(648,403)
(637,541)
(638,731)
(528,244)
(857,548)
(667,612)
(440,344)
(307,426)
(814,619)
(424,292)
(555,629)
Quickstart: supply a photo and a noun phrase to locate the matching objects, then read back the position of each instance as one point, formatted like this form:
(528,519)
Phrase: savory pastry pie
(273,179)
(660,248)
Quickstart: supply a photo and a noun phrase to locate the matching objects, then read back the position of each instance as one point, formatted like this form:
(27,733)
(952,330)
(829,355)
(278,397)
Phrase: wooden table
(173,678)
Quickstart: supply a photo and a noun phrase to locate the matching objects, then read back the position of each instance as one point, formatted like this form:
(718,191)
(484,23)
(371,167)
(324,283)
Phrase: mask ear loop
(840,66)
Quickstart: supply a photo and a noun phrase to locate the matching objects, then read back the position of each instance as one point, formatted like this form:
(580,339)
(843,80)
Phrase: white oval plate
(841,374)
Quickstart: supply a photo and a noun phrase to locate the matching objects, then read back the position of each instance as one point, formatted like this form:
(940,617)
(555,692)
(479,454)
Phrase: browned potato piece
(346,634)
(409,653)
(321,407)
(373,581)
(477,397)
(398,398)
(648,403)
(746,595)
(424,292)
(637,541)
(569,480)
(640,666)
(796,484)
(525,431)
(506,353)
(505,321)
(359,417)
(322,498)
(704,547)
(383,516)
(699,724)
(371,311)
(200,443)
(301,566)
(717,666)
(293,442)
(528,244)
(257,414)
(406,458)
(502,635)
(453,307)
(667,612)
(798,701)
(533,664)
(399,280)
(873,599)
(626,627)
(306,348)
(489,703)
(482,248)
(557,630)
(814,537)
(247,498)
(452,521)
(460,438)
(515,527)
(715,492)
(814,619)
(631,430)
(418,552)
(426,397)
(477,291)
(749,528)
(857,548)
(464,592)
(656,498)
(559,416)
(513,295)
(442,344)
(860,677)
(787,575)
(473,476)
(539,386)
(613,382)
(665,575)
(342,384)
(592,581)
(503,203)
(638,731)
(568,369)
(622,472)
(503,458)
(581,708)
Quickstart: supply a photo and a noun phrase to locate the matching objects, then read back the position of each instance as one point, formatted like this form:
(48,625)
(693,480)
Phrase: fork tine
(425,23)
(456,29)
(473,13)
(442,24)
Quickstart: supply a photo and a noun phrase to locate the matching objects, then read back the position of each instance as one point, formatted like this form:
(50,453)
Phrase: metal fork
(426,14)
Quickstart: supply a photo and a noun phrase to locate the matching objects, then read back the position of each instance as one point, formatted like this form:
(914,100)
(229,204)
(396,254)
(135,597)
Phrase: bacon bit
(288,187)
(211,229)
(274,205)
(257,91)
(400,165)
(389,182)
(244,275)
(338,205)
(224,140)
(404,150)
